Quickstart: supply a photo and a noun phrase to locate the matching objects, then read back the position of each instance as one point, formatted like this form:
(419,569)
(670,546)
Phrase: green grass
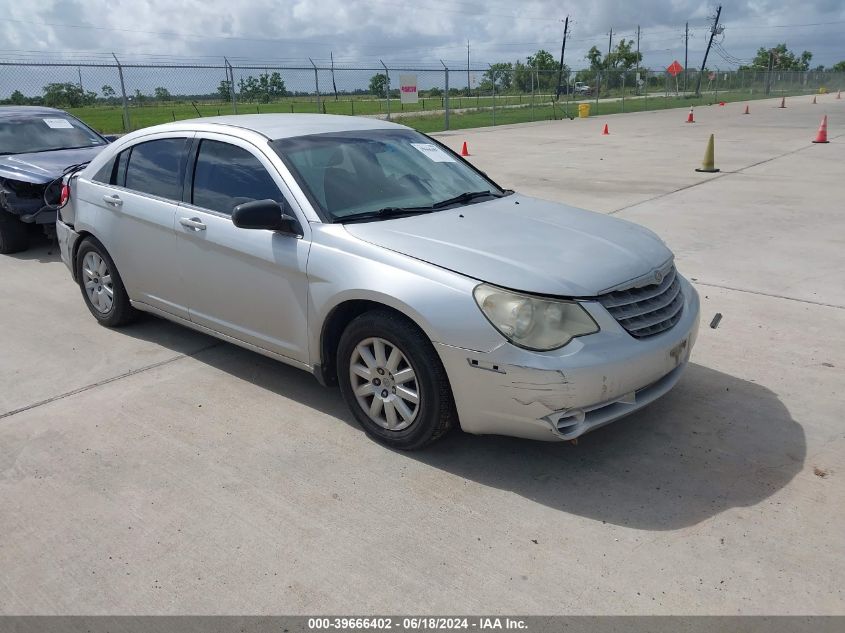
(467,112)
(109,119)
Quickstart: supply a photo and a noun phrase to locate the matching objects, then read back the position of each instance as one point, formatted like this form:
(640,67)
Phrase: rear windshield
(44,133)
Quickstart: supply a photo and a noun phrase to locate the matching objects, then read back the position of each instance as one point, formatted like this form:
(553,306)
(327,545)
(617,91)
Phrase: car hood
(42,167)
(525,244)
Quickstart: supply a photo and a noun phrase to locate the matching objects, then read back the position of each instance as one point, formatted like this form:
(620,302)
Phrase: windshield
(381,173)
(43,133)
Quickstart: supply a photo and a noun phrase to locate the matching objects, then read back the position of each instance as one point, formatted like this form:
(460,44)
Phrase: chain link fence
(118,97)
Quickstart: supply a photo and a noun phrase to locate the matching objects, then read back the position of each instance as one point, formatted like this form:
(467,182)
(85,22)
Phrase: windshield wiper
(386,212)
(463,198)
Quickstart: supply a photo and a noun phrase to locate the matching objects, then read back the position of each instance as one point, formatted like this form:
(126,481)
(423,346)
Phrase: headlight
(533,322)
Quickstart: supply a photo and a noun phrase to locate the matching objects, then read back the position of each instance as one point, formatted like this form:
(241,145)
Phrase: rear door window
(155,167)
(226,175)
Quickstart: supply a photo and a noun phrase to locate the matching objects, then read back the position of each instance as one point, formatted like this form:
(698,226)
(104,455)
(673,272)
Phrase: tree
(262,88)
(839,67)
(276,85)
(140,97)
(780,58)
(161,94)
(500,75)
(63,95)
(17,98)
(108,92)
(225,90)
(378,84)
(623,57)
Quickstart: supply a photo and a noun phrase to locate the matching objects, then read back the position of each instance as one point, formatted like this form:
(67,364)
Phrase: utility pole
(79,71)
(610,41)
(707,52)
(562,49)
(469,85)
(686,54)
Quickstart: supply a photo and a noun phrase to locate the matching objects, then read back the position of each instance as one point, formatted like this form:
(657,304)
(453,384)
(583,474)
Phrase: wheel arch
(336,321)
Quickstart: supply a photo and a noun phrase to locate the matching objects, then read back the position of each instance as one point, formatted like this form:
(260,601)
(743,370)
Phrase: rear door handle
(192,223)
(113,200)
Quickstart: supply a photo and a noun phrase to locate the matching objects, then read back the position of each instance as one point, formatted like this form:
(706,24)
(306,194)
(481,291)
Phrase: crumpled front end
(565,393)
(26,201)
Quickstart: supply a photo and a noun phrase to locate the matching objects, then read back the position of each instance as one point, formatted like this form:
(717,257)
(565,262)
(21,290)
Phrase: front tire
(393,381)
(101,285)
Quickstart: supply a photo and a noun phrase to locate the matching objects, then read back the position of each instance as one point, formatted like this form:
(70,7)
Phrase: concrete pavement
(156,470)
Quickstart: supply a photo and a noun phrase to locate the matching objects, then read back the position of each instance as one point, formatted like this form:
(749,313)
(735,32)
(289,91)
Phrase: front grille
(647,310)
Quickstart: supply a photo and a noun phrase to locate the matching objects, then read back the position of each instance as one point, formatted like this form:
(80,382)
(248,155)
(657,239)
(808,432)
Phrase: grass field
(426,116)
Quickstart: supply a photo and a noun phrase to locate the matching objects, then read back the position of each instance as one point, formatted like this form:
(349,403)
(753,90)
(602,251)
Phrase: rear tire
(393,381)
(101,285)
(14,234)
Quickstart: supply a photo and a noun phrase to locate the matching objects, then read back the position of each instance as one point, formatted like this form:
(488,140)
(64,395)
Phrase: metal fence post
(230,77)
(126,122)
(623,91)
(316,84)
(446,98)
(387,88)
(598,90)
(533,116)
(493,78)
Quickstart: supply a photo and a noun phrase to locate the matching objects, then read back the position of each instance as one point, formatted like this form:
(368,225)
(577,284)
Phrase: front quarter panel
(343,268)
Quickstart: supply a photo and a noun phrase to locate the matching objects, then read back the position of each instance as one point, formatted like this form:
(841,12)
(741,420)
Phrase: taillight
(65,195)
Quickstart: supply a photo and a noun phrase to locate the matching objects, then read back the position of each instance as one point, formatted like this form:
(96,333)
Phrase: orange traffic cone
(746,110)
(814,99)
(690,117)
(821,135)
(464,150)
(605,131)
(783,102)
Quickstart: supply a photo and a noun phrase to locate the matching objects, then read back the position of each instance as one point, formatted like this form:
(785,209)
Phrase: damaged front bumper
(565,393)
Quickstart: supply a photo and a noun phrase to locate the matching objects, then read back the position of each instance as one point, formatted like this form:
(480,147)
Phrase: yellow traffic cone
(708,165)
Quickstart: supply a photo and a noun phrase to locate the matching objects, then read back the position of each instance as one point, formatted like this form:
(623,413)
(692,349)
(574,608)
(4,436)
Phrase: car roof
(17,110)
(276,126)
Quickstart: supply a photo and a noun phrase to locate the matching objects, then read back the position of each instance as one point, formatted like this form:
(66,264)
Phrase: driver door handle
(113,200)
(192,223)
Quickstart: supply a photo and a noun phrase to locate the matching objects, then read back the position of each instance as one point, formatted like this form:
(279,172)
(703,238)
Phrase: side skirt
(138,305)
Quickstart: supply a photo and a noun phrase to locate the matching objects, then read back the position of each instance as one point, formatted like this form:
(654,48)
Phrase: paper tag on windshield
(433,152)
(58,124)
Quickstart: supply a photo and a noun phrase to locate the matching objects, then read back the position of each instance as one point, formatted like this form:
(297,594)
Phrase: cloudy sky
(407,30)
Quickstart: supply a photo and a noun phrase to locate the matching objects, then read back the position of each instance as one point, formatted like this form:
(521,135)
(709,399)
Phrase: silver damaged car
(378,259)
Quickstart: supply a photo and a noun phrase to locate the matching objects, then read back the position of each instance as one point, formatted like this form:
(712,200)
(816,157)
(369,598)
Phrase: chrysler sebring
(376,258)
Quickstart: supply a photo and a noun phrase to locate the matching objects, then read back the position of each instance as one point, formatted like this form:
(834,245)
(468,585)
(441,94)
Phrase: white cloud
(408,30)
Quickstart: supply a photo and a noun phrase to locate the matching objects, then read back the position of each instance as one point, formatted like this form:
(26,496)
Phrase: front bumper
(67,238)
(562,394)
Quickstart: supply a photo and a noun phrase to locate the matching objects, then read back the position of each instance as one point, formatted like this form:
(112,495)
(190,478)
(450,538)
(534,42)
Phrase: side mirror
(111,138)
(265,214)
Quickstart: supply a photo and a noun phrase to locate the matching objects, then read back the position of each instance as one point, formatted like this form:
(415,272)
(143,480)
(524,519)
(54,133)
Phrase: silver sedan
(377,259)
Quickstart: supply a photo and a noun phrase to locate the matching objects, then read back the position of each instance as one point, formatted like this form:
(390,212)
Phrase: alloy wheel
(384,383)
(98,282)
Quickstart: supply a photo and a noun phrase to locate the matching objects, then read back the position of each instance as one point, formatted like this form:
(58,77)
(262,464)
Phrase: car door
(246,283)
(138,212)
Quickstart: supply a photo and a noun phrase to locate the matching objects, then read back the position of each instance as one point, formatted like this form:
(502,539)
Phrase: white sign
(58,124)
(408,89)
(433,152)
